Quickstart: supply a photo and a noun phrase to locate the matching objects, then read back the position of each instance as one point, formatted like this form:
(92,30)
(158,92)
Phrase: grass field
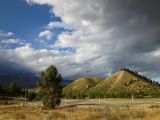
(113,101)
(17,112)
(117,100)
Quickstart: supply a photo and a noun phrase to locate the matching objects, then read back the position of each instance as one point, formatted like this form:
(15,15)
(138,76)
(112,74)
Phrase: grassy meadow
(17,112)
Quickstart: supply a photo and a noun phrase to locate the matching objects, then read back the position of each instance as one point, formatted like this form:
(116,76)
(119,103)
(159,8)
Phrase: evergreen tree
(13,89)
(51,90)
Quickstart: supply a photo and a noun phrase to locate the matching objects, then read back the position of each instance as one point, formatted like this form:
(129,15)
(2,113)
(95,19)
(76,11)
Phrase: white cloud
(156,53)
(10,41)
(6,34)
(40,59)
(24,51)
(53,24)
(47,34)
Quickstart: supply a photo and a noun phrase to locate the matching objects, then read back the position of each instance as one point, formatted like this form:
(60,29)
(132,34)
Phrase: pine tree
(51,90)
(13,89)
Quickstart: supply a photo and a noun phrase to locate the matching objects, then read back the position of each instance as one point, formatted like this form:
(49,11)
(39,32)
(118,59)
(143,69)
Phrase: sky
(83,38)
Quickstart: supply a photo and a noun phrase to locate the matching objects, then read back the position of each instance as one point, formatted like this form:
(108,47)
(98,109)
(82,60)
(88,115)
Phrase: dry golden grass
(16,112)
(83,84)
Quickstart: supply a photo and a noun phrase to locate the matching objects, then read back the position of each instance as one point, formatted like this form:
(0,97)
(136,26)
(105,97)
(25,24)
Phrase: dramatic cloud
(105,34)
(39,59)
(47,34)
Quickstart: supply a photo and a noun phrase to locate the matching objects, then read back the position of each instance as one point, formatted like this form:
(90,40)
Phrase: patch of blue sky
(67,49)
(45,43)
(26,22)
(23,20)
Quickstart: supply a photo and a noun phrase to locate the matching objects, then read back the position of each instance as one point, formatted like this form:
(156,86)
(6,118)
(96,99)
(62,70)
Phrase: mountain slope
(78,88)
(22,79)
(124,83)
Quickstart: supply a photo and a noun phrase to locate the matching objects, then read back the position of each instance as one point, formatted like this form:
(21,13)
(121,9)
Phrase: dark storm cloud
(136,23)
(8,67)
(136,31)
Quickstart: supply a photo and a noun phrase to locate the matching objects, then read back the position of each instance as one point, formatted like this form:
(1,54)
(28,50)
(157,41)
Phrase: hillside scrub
(78,88)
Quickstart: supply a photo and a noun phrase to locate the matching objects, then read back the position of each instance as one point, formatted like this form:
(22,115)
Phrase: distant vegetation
(141,76)
(13,90)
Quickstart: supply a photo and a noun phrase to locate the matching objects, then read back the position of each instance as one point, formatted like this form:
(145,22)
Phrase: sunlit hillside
(79,87)
(124,84)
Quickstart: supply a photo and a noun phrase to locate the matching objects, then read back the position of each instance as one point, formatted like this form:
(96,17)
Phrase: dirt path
(116,80)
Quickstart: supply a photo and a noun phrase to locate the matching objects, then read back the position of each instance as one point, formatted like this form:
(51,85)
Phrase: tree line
(13,90)
(143,77)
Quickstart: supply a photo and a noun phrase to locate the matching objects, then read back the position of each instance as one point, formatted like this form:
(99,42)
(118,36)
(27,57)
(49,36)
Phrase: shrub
(31,96)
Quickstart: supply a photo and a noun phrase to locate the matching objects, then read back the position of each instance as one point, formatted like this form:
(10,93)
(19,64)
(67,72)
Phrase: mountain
(78,88)
(64,83)
(10,70)
(125,83)
(25,77)
(24,80)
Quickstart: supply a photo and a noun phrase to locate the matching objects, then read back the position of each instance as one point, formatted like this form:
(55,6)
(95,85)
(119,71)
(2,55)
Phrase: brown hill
(124,83)
(78,88)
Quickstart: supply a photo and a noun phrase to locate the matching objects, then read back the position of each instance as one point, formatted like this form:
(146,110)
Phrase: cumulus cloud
(10,41)
(107,35)
(39,59)
(6,34)
(47,34)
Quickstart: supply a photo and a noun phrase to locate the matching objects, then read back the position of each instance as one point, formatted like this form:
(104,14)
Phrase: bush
(31,96)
